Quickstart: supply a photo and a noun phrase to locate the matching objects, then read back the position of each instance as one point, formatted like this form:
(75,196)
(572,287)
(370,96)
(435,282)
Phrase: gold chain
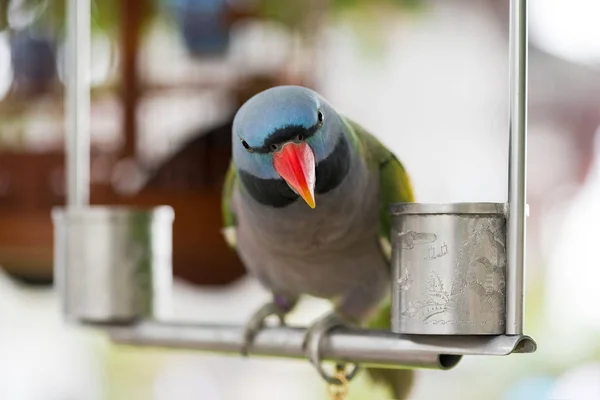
(337,391)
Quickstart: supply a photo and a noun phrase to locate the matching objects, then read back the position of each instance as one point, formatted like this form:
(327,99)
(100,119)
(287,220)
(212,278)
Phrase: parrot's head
(289,137)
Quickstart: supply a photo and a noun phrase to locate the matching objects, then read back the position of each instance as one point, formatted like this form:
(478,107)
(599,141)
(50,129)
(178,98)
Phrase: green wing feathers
(229,220)
(394,183)
(394,187)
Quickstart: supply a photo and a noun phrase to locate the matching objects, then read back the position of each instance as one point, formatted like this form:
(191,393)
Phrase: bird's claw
(257,322)
(312,344)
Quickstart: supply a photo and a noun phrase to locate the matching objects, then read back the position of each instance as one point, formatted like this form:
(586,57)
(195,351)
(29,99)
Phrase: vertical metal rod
(131,12)
(517,182)
(77,141)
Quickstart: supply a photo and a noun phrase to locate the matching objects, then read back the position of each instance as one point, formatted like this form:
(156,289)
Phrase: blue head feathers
(288,142)
(277,115)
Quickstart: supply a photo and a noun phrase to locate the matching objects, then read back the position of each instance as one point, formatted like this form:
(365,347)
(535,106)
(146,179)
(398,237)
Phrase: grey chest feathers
(332,251)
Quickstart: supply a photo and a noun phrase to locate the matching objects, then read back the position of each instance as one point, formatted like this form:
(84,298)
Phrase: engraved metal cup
(113,264)
(449,268)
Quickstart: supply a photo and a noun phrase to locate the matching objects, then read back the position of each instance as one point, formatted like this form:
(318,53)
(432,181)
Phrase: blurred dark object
(33,58)
(203,25)
(192,181)
(201,162)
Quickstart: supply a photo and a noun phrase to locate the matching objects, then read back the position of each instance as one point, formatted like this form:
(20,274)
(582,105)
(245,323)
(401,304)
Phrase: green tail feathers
(399,382)
(382,320)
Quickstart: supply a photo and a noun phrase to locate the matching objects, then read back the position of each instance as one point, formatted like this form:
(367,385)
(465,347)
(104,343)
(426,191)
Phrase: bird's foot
(257,322)
(312,345)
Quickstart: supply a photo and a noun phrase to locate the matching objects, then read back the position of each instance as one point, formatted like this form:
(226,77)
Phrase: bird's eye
(299,138)
(246,145)
(320,117)
(274,147)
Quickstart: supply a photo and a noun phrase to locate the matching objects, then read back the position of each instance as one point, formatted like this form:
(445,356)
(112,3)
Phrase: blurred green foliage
(3,14)
(349,4)
(363,16)
(292,13)
(106,14)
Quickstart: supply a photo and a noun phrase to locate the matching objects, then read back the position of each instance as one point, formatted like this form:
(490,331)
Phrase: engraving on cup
(449,274)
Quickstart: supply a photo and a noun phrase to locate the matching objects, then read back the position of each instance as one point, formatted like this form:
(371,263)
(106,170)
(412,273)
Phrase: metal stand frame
(517,175)
(367,347)
(384,349)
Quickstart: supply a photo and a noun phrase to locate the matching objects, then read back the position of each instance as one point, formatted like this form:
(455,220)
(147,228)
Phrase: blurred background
(429,78)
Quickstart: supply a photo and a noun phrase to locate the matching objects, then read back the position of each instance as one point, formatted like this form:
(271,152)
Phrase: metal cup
(113,264)
(449,268)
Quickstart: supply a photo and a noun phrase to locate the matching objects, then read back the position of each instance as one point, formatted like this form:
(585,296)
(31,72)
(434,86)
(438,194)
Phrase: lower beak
(295,163)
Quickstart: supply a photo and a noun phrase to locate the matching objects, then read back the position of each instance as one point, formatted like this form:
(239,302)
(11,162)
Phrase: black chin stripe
(276,192)
(270,192)
(332,170)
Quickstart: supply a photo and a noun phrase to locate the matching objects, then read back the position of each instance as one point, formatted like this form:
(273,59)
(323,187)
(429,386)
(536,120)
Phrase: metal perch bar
(517,179)
(367,347)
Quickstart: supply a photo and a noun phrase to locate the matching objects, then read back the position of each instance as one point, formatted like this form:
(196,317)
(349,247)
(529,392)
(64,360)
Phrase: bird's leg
(313,339)
(280,306)
(352,310)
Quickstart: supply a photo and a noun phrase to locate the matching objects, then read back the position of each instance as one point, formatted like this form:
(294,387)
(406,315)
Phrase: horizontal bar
(366,347)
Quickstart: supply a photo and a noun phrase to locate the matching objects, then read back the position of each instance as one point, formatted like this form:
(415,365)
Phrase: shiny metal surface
(366,348)
(369,348)
(77,99)
(449,271)
(113,264)
(517,180)
(447,208)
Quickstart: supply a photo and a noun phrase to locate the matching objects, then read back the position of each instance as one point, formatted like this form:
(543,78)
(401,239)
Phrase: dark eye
(300,138)
(320,116)
(274,147)
(246,145)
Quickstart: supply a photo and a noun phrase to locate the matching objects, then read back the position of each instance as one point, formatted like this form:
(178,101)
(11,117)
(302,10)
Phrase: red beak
(295,163)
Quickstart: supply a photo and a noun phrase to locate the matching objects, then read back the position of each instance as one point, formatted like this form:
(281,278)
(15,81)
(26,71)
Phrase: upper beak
(295,163)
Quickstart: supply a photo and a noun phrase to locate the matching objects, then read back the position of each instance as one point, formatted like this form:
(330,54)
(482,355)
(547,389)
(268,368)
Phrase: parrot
(305,206)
